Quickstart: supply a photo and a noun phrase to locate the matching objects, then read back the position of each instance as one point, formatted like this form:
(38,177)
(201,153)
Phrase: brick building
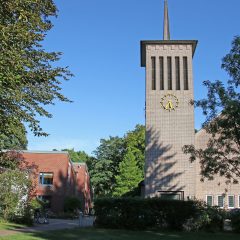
(170,125)
(55,177)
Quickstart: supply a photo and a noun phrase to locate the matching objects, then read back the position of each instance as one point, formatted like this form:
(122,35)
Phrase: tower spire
(166,31)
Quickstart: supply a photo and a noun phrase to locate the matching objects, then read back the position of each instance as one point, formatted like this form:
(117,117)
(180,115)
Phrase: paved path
(54,224)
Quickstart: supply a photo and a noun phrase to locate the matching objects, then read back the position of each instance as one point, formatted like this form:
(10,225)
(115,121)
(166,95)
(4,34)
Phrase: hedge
(235,220)
(154,213)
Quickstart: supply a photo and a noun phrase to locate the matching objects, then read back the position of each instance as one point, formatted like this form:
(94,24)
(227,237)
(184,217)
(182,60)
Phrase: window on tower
(169,66)
(231,201)
(161,73)
(220,201)
(153,73)
(177,68)
(185,73)
(210,200)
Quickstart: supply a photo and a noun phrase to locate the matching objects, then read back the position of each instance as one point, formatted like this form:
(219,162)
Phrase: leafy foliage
(108,156)
(36,203)
(72,204)
(105,166)
(29,77)
(17,140)
(155,213)
(14,188)
(77,156)
(235,220)
(129,175)
(221,107)
(10,160)
(135,141)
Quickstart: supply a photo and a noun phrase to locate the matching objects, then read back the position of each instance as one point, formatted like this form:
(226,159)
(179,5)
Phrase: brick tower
(169,115)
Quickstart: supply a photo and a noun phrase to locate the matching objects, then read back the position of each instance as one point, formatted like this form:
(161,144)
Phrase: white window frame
(220,195)
(233,201)
(209,195)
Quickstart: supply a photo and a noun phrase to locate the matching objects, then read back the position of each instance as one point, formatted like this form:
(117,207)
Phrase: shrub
(154,213)
(36,204)
(235,220)
(138,213)
(216,218)
(14,190)
(71,204)
(207,218)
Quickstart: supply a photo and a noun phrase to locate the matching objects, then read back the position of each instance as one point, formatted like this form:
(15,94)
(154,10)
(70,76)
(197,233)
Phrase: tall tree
(29,76)
(106,166)
(135,142)
(129,175)
(221,107)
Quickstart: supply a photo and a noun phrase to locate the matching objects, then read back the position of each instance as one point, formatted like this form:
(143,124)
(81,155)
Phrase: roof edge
(36,151)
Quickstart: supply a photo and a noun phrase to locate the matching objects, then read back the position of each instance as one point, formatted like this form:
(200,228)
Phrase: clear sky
(100,41)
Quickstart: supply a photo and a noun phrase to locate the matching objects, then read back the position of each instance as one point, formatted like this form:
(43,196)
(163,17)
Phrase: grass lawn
(103,234)
(10,226)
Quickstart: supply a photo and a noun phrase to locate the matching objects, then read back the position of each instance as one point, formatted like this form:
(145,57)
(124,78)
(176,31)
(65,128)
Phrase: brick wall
(65,180)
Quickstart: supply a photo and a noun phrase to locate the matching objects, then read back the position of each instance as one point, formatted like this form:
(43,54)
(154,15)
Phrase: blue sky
(100,41)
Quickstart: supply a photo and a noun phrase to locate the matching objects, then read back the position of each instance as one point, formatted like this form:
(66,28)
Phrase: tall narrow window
(169,65)
(177,68)
(231,202)
(210,200)
(153,73)
(185,73)
(161,73)
(221,201)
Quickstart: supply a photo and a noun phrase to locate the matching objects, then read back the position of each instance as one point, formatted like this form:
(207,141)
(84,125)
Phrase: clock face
(169,102)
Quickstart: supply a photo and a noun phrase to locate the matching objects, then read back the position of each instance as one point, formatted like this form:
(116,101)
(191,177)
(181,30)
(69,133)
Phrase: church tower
(169,115)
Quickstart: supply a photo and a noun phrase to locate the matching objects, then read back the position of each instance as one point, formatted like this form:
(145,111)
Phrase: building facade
(170,123)
(55,178)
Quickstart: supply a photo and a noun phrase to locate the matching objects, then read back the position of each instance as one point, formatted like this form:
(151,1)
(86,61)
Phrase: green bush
(154,213)
(206,218)
(138,213)
(14,189)
(36,204)
(71,204)
(235,220)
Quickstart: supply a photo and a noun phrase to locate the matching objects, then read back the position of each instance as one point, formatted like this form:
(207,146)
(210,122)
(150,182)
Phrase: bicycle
(40,217)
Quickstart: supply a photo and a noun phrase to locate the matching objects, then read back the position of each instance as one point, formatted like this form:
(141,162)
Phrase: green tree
(135,142)
(129,175)
(29,76)
(77,156)
(106,165)
(221,107)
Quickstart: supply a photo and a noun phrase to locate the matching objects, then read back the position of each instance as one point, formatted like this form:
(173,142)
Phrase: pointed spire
(166,31)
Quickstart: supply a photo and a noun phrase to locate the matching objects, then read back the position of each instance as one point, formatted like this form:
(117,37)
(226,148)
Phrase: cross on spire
(166,31)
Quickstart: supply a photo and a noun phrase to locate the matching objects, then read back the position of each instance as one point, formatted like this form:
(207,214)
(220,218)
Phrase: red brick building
(55,177)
